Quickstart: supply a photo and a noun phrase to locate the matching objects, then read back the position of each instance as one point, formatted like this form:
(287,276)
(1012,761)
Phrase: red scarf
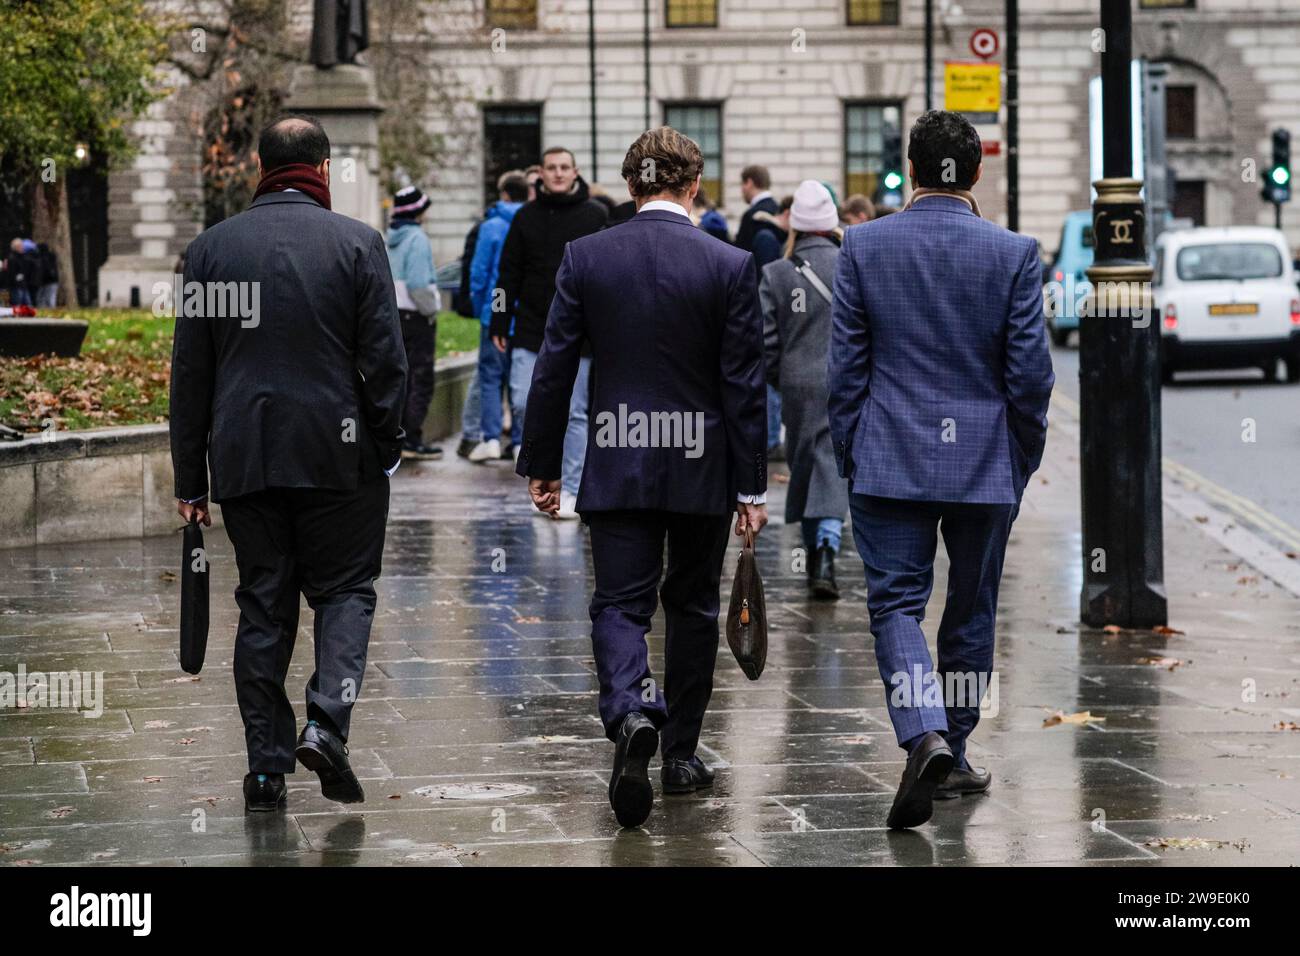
(299,176)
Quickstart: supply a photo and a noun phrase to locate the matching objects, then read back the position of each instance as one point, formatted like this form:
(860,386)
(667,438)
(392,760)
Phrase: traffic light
(1277,184)
(890,190)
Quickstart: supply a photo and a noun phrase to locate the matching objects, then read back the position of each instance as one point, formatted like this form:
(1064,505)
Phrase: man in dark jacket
(672,317)
(563,211)
(756,190)
(288,384)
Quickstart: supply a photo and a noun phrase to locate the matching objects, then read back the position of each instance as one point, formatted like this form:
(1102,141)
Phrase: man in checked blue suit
(940,379)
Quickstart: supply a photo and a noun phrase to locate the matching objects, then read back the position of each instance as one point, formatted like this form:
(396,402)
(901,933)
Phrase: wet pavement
(477,741)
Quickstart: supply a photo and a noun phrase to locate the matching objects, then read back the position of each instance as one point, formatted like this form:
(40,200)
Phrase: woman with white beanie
(795,293)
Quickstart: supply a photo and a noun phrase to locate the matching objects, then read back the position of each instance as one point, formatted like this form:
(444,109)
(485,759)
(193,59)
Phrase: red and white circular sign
(984,43)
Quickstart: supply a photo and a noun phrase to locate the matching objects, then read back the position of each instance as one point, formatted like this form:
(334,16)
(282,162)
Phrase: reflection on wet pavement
(477,741)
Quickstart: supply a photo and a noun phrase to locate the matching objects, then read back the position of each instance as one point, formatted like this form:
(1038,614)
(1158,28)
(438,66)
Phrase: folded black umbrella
(194,600)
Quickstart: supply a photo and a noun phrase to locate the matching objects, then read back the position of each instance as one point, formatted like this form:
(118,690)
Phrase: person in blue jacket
(493,364)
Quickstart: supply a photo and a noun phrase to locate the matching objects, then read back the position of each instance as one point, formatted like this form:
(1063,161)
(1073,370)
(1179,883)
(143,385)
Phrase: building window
(872,148)
(1180,112)
(512,139)
(872,13)
(1189,201)
(519,14)
(702,122)
(692,13)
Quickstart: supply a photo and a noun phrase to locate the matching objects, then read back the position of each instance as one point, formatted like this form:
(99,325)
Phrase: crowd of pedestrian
(508,268)
(871,355)
(30,274)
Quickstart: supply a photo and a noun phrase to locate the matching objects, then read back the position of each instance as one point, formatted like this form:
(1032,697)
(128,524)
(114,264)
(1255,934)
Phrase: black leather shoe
(421,451)
(264,792)
(821,582)
(684,776)
(926,768)
(324,752)
(961,782)
(630,793)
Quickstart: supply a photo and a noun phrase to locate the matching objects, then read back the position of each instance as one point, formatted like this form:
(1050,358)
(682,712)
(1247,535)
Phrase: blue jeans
(819,531)
(522,362)
(493,368)
(773,417)
(471,416)
(897,540)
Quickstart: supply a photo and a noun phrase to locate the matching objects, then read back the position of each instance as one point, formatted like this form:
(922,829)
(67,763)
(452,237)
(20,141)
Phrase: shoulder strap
(805,269)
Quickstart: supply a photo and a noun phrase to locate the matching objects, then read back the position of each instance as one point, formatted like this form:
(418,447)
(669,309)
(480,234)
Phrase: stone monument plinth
(345,101)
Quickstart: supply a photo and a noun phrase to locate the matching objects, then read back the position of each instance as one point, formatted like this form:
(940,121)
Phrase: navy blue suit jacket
(675,329)
(940,375)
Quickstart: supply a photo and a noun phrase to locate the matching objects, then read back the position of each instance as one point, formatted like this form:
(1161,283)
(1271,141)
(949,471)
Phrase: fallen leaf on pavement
(1168,662)
(1193,843)
(1286,725)
(1162,629)
(1082,717)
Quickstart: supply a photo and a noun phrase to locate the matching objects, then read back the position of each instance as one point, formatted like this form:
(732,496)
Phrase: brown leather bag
(747,614)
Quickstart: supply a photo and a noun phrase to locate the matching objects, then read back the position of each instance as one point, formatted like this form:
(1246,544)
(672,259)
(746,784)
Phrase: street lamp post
(1119,380)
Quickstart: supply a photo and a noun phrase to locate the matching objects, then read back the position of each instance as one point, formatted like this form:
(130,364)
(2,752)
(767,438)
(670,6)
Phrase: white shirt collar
(666,205)
(765,194)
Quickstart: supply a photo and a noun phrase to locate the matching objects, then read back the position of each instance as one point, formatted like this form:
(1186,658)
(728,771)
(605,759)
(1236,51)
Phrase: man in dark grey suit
(288,381)
(676,445)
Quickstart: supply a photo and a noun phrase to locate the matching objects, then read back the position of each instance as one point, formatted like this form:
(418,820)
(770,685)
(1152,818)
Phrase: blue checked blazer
(939,370)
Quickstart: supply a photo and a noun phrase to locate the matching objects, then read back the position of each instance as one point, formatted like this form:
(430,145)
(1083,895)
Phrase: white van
(1227,298)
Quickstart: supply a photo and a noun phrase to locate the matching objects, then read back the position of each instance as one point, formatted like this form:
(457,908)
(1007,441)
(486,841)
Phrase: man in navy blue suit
(676,442)
(940,379)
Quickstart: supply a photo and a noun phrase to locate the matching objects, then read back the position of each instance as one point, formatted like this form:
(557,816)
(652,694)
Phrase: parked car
(1066,279)
(1227,298)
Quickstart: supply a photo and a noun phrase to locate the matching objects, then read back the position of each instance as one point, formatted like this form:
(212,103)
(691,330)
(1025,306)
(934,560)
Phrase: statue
(340,30)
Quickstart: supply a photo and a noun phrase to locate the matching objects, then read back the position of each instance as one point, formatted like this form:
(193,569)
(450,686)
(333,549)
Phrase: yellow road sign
(972,87)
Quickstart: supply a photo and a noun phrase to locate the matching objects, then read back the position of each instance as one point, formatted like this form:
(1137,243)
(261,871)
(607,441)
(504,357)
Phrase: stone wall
(117,482)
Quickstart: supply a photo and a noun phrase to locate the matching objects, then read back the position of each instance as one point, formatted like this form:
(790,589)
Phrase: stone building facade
(806,89)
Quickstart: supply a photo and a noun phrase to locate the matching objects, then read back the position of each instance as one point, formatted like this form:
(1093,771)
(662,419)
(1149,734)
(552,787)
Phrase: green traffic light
(893,180)
(1281,175)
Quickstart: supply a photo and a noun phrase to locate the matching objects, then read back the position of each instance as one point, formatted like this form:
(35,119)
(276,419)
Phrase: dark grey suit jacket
(309,392)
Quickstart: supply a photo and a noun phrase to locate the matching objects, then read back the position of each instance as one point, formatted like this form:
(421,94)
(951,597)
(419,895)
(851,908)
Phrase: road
(1207,418)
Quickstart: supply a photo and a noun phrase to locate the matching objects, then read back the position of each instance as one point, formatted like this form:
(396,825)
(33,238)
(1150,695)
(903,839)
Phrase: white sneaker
(486,451)
(514,450)
(568,506)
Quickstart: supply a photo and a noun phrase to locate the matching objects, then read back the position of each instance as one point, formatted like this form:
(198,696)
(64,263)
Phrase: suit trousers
(326,545)
(897,540)
(627,552)
(420,337)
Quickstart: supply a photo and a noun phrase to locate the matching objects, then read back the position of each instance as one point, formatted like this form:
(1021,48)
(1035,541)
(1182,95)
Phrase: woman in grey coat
(795,295)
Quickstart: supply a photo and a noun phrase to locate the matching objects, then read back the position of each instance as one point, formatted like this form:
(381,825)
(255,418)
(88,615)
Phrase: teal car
(1066,281)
